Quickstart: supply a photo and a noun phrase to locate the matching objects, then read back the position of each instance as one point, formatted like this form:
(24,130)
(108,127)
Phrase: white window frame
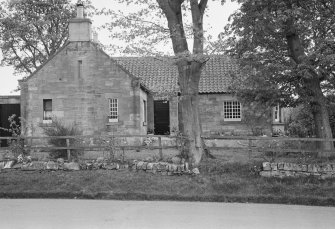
(113,110)
(145,112)
(47,114)
(276,113)
(232,110)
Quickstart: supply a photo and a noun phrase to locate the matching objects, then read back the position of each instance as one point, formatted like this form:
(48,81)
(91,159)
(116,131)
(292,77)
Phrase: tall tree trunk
(321,116)
(312,87)
(189,70)
(189,120)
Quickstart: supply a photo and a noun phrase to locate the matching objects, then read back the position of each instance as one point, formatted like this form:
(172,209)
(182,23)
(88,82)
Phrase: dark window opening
(161,117)
(47,109)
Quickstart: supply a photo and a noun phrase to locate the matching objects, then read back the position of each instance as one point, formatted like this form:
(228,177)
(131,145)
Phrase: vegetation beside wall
(58,128)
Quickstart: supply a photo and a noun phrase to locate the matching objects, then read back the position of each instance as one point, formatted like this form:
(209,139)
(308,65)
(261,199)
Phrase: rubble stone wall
(160,168)
(284,169)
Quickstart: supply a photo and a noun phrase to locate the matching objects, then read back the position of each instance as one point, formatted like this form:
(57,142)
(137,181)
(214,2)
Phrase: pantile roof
(160,75)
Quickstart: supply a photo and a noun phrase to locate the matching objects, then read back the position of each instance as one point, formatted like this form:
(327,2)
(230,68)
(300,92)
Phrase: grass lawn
(220,180)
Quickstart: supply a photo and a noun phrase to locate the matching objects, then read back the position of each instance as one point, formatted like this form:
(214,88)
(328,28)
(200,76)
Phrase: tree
(291,43)
(189,63)
(32,31)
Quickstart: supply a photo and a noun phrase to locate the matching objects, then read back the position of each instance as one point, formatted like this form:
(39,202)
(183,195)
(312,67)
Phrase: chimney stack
(80,9)
(80,27)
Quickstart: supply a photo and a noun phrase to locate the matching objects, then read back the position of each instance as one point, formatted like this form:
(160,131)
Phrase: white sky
(217,19)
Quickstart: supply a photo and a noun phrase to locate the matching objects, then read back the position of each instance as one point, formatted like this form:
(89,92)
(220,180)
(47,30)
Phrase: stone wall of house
(212,118)
(285,169)
(80,79)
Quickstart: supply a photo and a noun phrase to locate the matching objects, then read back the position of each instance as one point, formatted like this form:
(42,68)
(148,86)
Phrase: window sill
(47,121)
(232,120)
(278,123)
(113,120)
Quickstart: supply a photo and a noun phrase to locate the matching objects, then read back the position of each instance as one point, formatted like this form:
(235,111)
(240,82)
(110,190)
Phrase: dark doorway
(162,117)
(7,110)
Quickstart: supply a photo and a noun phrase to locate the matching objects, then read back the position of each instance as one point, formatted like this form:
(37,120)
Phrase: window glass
(113,109)
(47,109)
(276,113)
(232,111)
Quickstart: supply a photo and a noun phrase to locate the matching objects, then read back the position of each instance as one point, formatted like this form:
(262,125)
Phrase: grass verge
(219,181)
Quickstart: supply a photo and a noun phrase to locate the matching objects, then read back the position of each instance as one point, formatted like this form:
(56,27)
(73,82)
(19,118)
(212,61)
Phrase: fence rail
(278,147)
(253,143)
(28,143)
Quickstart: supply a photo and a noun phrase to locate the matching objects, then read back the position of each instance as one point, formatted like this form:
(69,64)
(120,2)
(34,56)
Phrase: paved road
(35,214)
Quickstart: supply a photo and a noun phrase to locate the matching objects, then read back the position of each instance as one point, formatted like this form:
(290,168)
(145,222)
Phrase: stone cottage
(82,85)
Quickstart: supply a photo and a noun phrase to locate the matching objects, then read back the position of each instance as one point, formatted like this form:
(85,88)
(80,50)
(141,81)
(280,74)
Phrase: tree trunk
(321,117)
(188,117)
(189,72)
(311,86)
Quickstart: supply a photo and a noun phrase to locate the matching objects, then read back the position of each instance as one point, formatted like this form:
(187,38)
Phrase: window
(276,113)
(144,113)
(47,110)
(232,111)
(113,110)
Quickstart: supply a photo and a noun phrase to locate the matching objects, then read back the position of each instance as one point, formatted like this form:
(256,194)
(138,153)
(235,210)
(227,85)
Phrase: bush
(59,129)
(16,147)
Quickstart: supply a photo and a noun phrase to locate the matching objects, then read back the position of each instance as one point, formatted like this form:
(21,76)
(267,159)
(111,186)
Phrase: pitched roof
(161,76)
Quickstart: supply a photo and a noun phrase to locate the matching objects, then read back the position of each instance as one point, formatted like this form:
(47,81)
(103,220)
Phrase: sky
(214,24)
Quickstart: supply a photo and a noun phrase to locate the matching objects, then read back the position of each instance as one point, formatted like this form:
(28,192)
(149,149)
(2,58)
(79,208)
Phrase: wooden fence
(28,143)
(276,145)
(249,143)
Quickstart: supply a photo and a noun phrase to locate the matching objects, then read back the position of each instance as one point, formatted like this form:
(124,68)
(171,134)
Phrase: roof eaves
(145,88)
(123,68)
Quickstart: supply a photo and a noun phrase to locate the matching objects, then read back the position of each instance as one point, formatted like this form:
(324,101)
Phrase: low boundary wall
(283,169)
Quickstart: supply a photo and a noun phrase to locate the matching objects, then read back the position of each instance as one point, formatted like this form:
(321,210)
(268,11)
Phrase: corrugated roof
(160,75)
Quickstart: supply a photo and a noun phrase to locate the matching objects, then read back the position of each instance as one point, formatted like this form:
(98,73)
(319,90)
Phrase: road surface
(49,213)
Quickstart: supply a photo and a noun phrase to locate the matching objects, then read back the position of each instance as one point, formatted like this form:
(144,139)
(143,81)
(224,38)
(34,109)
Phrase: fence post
(68,150)
(250,149)
(299,147)
(160,148)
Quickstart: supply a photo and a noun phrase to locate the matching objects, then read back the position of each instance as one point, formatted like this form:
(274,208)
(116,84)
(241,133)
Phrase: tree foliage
(257,36)
(144,30)
(290,43)
(31,31)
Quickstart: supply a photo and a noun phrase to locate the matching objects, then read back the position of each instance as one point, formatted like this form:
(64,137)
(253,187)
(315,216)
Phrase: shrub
(16,147)
(59,129)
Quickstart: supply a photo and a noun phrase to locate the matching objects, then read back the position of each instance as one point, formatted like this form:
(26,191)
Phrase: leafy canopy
(257,37)
(145,30)
(31,31)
